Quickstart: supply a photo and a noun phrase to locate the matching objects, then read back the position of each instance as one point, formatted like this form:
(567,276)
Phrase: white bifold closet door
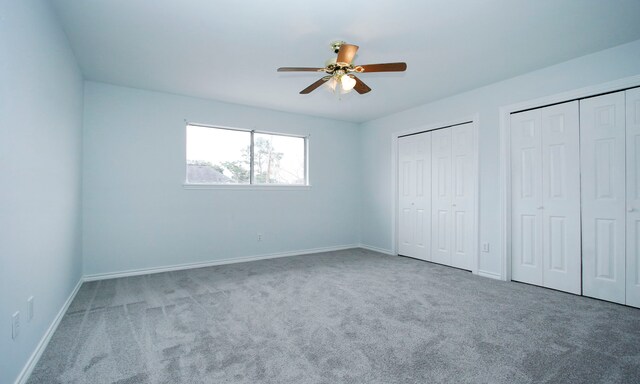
(602,141)
(414,191)
(545,197)
(453,190)
(633,197)
(436,196)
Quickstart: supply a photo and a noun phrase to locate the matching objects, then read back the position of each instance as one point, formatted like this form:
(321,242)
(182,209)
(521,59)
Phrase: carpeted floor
(342,317)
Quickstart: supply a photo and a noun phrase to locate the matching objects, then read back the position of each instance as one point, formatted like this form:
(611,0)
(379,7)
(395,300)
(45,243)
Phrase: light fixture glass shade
(347,83)
(332,83)
(341,83)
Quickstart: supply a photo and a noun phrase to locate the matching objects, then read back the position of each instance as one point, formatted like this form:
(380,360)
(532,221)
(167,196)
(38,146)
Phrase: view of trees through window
(223,156)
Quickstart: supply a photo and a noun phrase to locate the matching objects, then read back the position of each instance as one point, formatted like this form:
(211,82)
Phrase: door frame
(474,120)
(505,150)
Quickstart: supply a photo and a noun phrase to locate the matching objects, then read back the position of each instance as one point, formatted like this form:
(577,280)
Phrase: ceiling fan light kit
(344,83)
(341,70)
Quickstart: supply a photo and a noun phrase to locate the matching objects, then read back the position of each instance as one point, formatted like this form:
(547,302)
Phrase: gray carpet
(342,317)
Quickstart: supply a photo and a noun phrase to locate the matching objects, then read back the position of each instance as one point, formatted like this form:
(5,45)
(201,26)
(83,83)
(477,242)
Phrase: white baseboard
(42,345)
(491,275)
(376,249)
(233,260)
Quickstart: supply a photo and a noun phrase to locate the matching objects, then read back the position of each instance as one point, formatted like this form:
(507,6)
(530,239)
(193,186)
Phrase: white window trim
(245,187)
(251,185)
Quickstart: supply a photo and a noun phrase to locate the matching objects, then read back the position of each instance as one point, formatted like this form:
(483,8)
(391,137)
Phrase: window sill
(249,187)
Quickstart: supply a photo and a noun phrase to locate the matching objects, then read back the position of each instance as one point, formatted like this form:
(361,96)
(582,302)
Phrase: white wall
(376,208)
(138,215)
(40,156)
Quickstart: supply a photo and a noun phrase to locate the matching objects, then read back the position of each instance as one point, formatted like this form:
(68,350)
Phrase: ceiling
(230,50)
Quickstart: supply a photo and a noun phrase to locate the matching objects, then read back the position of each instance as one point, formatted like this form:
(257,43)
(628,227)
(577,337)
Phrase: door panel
(406,232)
(442,196)
(557,245)
(602,146)
(605,247)
(526,201)
(463,195)
(561,246)
(414,202)
(529,241)
(633,197)
(436,196)
(421,241)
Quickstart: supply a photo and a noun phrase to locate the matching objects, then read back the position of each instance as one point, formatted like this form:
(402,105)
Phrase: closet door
(441,193)
(602,147)
(414,190)
(561,255)
(545,195)
(463,192)
(633,197)
(526,197)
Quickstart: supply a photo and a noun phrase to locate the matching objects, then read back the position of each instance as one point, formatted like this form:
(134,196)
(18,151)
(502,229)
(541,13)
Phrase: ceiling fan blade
(386,67)
(299,69)
(315,85)
(360,87)
(346,53)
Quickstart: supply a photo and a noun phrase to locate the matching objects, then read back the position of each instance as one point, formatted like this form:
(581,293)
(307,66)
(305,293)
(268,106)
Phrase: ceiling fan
(340,71)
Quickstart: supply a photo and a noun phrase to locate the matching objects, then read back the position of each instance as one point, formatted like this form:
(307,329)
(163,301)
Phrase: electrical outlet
(15,325)
(485,247)
(259,236)
(30,308)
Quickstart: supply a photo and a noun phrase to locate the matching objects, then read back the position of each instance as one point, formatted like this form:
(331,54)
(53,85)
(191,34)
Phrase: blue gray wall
(138,215)
(40,175)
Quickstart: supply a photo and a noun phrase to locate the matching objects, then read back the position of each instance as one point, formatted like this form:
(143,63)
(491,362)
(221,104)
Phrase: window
(235,157)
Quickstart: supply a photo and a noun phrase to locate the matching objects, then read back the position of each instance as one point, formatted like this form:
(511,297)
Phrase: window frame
(252,184)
